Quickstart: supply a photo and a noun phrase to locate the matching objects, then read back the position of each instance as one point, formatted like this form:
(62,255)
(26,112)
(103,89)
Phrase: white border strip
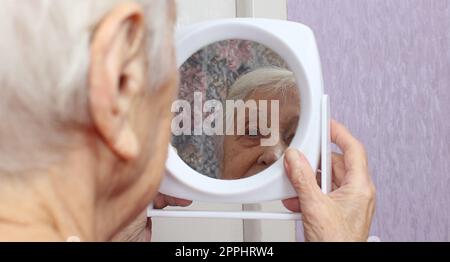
(223,214)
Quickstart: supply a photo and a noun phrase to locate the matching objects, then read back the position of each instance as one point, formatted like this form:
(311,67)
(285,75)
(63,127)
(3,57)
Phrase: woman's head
(244,155)
(86,88)
(46,63)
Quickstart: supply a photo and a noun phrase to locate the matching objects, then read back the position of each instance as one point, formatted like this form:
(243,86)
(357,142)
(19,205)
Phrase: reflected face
(228,71)
(243,155)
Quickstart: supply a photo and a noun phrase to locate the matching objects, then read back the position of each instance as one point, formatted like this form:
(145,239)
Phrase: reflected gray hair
(44,67)
(267,79)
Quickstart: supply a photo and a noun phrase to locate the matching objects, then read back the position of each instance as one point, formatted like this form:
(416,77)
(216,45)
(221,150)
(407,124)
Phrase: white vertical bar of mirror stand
(325,146)
(274,9)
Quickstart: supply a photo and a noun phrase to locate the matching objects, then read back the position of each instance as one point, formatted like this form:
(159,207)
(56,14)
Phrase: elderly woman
(244,155)
(86,90)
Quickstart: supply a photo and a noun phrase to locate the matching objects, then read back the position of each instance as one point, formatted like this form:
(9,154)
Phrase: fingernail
(287,156)
(292,156)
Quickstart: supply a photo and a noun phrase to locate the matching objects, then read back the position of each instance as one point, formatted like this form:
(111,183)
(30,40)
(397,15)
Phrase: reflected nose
(271,154)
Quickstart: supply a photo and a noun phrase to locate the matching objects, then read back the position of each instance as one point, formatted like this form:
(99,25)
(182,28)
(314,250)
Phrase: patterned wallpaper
(386,65)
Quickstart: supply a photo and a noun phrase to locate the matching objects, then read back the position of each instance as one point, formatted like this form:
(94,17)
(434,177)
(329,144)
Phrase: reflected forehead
(284,95)
(289,99)
(289,103)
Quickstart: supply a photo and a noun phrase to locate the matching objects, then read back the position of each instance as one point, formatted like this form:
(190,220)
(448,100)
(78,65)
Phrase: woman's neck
(53,205)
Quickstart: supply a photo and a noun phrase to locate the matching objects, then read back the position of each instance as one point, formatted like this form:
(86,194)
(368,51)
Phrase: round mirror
(237,111)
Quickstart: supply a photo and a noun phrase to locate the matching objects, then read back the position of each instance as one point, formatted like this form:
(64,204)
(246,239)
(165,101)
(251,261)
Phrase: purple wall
(386,65)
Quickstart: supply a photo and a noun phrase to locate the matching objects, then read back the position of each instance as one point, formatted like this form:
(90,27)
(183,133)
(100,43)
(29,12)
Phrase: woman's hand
(346,213)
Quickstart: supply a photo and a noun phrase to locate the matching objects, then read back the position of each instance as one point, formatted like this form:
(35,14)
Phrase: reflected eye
(250,140)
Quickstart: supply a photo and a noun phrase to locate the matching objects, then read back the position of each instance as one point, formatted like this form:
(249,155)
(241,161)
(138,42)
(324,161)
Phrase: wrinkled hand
(140,230)
(346,213)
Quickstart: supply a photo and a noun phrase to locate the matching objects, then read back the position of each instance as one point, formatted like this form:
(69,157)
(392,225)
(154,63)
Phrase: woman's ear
(116,76)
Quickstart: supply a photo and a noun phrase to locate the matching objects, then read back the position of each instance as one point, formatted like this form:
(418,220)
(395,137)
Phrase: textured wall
(386,65)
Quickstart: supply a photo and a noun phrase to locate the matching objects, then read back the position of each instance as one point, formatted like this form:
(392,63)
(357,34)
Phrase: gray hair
(268,79)
(44,70)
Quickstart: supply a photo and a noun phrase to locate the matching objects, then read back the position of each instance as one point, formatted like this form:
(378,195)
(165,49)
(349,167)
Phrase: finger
(338,168)
(170,201)
(179,202)
(159,202)
(148,230)
(355,158)
(301,175)
(292,204)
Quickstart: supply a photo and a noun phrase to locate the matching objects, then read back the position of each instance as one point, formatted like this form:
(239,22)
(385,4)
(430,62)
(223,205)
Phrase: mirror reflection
(237,111)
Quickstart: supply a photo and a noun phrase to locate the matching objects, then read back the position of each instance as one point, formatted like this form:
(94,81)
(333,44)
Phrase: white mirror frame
(296,44)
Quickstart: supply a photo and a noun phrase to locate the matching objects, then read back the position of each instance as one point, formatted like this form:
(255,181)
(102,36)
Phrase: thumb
(301,176)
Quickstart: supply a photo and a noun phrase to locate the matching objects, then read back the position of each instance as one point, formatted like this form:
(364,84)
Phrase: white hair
(44,66)
(268,79)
